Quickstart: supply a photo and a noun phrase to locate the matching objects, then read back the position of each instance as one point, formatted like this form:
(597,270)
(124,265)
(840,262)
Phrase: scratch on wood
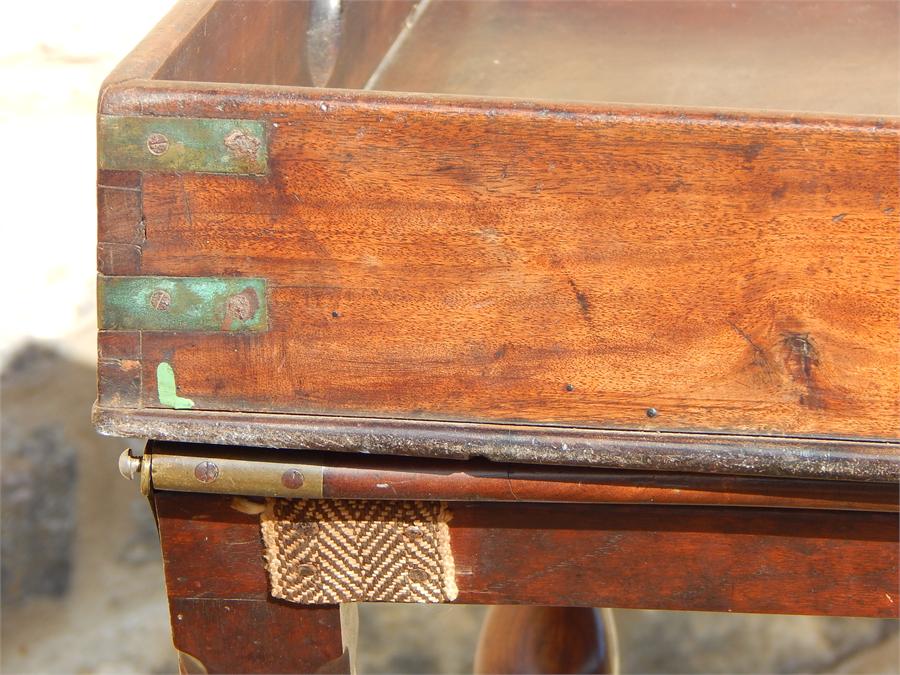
(759,354)
(509,486)
(187,204)
(582,299)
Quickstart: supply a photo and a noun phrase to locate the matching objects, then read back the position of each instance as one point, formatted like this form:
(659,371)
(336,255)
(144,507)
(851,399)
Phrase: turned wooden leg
(223,619)
(523,639)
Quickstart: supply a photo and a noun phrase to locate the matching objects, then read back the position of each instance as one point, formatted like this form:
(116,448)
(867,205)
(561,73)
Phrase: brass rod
(279,473)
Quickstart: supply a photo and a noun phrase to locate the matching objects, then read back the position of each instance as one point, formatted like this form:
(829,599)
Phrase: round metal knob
(129,465)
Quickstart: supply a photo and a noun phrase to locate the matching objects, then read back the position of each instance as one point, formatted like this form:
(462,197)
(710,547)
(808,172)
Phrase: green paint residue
(165,387)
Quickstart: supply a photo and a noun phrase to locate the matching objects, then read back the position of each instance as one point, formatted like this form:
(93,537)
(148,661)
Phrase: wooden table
(616,282)
(523,535)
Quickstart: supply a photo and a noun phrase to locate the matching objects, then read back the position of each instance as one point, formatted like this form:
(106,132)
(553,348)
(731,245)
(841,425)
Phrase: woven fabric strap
(322,551)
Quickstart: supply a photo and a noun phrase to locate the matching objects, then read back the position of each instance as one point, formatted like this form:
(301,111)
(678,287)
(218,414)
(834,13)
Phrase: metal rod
(279,473)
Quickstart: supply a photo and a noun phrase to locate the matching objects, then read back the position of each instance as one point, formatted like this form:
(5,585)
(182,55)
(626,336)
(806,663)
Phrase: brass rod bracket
(223,474)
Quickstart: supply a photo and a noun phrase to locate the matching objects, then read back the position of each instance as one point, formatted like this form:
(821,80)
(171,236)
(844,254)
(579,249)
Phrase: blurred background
(82,585)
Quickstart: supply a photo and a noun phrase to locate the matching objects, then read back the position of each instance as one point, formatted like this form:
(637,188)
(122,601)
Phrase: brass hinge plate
(182,303)
(170,144)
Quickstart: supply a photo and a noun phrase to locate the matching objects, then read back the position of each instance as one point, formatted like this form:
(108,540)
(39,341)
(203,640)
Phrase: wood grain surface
(473,260)
(228,635)
(651,557)
(264,42)
(837,56)
(517,639)
(545,266)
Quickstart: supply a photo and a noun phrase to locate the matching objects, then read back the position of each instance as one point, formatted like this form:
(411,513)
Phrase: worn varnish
(587,266)
(654,557)
(871,462)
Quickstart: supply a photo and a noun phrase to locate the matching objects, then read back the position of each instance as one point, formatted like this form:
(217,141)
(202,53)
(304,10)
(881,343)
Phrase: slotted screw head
(241,144)
(292,479)
(157,144)
(206,472)
(417,575)
(160,299)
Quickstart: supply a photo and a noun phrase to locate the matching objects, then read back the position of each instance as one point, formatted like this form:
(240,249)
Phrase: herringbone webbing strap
(322,551)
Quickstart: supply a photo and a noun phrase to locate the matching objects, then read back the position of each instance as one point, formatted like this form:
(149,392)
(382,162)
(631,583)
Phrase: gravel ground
(82,587)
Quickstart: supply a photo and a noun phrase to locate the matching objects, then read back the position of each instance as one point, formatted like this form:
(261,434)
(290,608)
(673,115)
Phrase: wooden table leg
(523,639)
(218,629)
(218,635)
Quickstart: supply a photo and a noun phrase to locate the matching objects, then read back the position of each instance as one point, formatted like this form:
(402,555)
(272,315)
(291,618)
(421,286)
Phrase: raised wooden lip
(794,457)
(139,70)
(150,97)
(150,54)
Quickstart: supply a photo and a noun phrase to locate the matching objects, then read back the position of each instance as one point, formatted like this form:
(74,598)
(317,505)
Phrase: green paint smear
(165,386)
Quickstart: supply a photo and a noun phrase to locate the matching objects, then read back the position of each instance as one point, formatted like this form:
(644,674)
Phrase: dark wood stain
(716,559)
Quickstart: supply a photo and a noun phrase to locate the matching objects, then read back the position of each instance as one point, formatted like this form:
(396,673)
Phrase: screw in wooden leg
(546,640)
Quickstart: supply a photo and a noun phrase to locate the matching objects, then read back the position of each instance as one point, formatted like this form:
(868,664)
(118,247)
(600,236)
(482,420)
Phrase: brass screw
(241,144)
(160,299)
(306,570)
(308,528)
(241,307)
(206,471)
(414,532)
(417,574)
(157,144)
(292,479)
